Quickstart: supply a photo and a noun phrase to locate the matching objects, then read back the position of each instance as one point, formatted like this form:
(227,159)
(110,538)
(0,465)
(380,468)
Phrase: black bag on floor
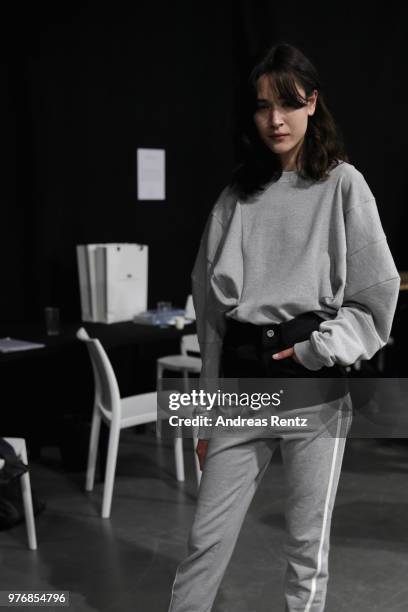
(13,466)
(11,502)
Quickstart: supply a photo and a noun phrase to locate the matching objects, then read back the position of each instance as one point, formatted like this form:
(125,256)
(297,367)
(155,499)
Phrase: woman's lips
(278,136)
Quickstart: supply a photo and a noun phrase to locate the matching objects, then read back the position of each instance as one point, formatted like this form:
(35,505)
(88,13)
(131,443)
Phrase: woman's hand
(290,352)
(201,451)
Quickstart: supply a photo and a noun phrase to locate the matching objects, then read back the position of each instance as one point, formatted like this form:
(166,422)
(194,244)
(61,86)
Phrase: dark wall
(89,84)
(95,84)
(12,221)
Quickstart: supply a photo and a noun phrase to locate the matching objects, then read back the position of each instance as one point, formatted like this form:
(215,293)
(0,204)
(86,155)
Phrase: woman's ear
(312,101)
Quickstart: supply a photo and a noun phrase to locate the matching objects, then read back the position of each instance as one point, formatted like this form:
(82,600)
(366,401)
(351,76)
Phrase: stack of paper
(10,345)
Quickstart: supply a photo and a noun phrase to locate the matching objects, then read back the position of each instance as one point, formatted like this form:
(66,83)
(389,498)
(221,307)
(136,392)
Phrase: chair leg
(178,455)
(28,503)
(159,386)
(93,449)
(197,462)
(110,470)
(186,382)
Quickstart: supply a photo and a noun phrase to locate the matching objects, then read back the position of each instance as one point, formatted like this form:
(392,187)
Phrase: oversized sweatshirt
(299,246)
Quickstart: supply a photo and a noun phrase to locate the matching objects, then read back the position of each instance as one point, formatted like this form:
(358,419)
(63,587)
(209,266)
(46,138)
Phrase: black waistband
(273,335)
(260,341)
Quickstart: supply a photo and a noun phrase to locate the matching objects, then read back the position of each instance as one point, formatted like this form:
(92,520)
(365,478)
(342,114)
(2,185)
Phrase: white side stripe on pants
(326,510)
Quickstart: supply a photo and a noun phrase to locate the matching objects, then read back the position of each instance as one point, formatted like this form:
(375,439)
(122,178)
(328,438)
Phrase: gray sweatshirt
(301,245)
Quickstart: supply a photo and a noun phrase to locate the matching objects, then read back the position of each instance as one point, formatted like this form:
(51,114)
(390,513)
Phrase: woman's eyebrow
(265,100)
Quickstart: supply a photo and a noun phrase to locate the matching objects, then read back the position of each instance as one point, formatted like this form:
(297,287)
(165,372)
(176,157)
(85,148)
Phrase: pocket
(283,368)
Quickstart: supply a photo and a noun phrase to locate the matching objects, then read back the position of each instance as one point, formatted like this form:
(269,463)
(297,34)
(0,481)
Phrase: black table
(47,393)
(111,336)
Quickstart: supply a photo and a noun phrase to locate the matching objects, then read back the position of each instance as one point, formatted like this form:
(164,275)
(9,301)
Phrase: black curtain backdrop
(86,84)
(90,84)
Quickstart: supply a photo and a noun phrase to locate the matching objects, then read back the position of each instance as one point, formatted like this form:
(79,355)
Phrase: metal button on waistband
(270,333)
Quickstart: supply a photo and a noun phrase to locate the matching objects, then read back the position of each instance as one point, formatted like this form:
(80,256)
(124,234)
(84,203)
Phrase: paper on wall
(150,174)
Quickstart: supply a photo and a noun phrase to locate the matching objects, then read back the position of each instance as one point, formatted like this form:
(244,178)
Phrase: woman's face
(274,117)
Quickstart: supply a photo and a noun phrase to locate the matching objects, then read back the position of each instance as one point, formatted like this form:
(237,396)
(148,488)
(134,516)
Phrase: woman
(293,278)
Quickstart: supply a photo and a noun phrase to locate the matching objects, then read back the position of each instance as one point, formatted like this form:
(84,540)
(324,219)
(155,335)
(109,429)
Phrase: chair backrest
(189,344)
(107,394)
(189,309)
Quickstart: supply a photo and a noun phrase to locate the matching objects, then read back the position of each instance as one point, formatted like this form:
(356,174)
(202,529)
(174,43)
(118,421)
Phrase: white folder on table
(126,281)
(113,281)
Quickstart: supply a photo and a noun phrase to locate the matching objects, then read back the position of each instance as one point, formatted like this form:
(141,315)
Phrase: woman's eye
(260,107)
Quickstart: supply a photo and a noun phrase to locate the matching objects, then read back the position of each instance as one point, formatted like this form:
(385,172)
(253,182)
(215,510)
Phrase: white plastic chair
(20,449)
(183,362)
(189,311)
(186,365)
(118,413)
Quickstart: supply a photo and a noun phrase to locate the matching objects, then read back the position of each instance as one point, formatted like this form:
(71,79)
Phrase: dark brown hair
(323,146)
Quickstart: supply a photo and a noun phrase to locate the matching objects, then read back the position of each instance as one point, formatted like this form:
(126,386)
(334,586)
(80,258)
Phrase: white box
(113,280)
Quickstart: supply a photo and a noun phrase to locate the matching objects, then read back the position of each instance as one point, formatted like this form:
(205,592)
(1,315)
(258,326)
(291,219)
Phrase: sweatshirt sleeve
(210,320)
(363,322)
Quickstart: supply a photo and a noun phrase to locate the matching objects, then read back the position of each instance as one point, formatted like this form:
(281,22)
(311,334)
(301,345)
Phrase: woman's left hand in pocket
(290,352)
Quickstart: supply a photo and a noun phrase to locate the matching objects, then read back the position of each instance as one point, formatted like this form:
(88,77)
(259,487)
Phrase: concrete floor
(128,563)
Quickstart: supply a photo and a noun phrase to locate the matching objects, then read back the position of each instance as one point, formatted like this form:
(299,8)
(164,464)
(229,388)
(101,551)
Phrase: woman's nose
(275,119)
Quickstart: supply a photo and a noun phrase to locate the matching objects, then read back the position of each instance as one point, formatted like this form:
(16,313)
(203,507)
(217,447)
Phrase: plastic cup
(52,320)
(179,322)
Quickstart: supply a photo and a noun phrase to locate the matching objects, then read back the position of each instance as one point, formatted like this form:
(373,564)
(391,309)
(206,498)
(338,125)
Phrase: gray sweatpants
(233,469)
